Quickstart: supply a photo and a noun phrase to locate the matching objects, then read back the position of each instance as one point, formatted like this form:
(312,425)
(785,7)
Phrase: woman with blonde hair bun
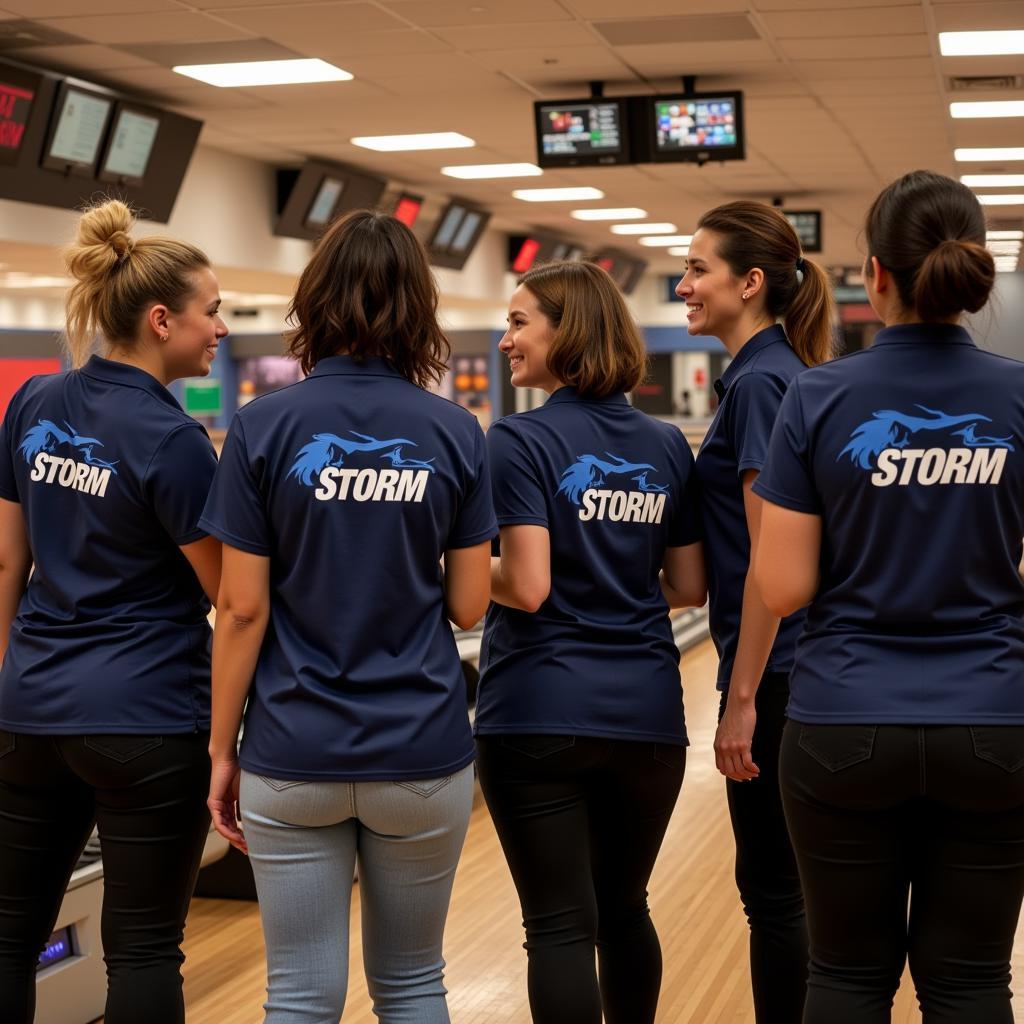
(105,670)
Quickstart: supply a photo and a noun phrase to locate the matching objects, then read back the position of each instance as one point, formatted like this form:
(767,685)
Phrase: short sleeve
(519,498)
(787,478)
(235,511)
(754,401)
(685,527)
(474,520)
(177,482)
(8,481)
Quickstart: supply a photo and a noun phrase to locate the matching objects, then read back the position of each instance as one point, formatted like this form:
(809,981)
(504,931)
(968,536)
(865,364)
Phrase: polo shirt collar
(569,394)
(113,372)
(760,341)
(374,366)
(923,334)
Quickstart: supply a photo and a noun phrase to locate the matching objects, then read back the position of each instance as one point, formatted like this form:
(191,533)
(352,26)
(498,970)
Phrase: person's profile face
(527,341)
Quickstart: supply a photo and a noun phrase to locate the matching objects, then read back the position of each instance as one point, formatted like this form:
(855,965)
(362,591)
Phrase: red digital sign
(526,255)
(15,104)
(407,209)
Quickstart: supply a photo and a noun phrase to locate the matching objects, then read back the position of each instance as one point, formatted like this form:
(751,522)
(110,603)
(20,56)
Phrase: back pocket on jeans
(1001,745)
(537,746)
(424,787)
(123,749)
(836,747)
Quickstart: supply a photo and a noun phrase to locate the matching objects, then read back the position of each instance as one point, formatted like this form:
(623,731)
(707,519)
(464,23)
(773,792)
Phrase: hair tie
(800,268)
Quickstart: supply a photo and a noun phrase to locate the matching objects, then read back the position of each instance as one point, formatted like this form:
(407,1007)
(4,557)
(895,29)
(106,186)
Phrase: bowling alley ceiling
(841,95)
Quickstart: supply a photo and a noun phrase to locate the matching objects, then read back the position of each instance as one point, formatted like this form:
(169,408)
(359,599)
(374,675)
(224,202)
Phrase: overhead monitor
(693,127)
(582,133)
(18,90)
(623,269)
(325,202)
(528,251)
(456,234)
(807,225)
(77,129)
(312,197)
(407,208)
(130,146)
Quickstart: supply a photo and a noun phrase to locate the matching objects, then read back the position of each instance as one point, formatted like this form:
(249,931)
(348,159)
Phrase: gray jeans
(304,840)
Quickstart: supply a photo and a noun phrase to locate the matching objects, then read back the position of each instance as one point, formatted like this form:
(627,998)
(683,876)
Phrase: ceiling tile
(817,5)
(887,46)
(82,57)
(180,27)
(596,62)
(410,65)
(694,58)
(826,70)
(469,13)
(70,8)
(595,9)
(855,21)
(362,44)
(223,52)
(522,35)
(977,17)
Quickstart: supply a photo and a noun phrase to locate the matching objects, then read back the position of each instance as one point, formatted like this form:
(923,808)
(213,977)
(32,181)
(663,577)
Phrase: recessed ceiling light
(1004,236)
(403,143)
(992,153)
(1007,199)
(665,240)
(493,171)
(263,72)
(1006,268)
(643,229)
(1003,248)
(992,180)
(981,44)
(988,108)
(679,250)
(625,213)
(556,195)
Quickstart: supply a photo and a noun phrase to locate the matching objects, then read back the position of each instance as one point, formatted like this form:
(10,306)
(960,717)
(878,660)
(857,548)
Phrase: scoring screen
(695,123)
(581,129)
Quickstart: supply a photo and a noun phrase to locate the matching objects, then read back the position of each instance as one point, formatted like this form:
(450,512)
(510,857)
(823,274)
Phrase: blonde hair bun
(101,242)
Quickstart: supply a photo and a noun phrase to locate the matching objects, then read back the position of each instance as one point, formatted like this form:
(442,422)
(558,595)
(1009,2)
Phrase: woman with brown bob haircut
(336,499)
(581,741)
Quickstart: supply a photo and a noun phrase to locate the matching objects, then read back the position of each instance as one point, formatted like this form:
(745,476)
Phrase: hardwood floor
(693,900)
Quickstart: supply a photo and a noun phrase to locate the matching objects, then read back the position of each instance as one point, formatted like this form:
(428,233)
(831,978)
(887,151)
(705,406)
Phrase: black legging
(147,796)
(878,813)
(581,821)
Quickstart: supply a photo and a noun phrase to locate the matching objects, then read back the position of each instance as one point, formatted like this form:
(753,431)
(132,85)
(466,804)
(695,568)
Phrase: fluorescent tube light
(992,180)
(1004,236)
(493,171)
(1004,248)
(994,154)
(679,250)
(625,213)
(981,44)
(988,108)
(665,240)
(1006,199)
(643,229)
(263,72)
(556,195)
(405,143)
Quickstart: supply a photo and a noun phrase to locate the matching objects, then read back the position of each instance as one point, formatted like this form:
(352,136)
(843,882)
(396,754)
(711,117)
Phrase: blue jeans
(304,841)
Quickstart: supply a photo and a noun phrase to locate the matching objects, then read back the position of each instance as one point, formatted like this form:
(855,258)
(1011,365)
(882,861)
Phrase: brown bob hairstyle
(597,348)
(752,234)
(928,231)
(368,292)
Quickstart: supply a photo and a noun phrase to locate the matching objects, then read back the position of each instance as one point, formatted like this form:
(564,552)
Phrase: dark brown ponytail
(796,288)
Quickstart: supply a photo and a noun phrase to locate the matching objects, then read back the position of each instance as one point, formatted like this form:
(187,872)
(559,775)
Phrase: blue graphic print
(891,429)
(46,436)
(330,450)
(589,471)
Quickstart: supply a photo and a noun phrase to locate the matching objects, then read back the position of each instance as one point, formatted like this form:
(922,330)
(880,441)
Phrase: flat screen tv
(582,133)
(693,127)
(130,145)
(456,234)
(807,225)
(407,208)
(18,91)
(77,129)
(312,197)
(325,202)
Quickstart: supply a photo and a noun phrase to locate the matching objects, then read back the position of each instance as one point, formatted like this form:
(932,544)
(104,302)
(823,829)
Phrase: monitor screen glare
(450,224)
(326,200)
(695,123)
(131,144)
(80,128)
(584,129)
(466,232)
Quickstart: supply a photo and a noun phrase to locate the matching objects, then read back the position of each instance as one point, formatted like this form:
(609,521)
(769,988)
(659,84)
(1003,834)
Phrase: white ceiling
(840,99)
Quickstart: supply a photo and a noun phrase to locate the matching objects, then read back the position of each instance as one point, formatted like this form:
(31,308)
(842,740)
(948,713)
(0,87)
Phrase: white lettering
(987,466)
(910,457)
(886,465)
(67,473)
(80,476)
(56,461)
(938,466)
(635,508)
(39,468)
(371,484)
(617,505)
(97,482)
(932,464)
(345,478)
(385,490)
(366,480)
(328,487)
(587,512)
(622,506)
(654,505)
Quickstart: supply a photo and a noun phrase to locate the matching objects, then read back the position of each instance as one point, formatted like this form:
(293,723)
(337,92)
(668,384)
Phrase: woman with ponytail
(894,505)
(748,284)
(105,673)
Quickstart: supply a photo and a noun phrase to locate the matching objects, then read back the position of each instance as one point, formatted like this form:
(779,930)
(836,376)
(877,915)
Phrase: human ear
(156,320)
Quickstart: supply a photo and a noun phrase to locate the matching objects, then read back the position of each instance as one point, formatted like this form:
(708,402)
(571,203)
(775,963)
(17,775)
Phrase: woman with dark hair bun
(336,499)
(748,284)
(894,505)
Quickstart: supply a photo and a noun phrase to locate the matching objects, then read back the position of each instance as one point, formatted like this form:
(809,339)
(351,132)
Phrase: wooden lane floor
(693,900)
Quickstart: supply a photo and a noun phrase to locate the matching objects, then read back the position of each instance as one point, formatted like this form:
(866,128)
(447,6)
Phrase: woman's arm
(683,578)
(15,562)
(467,583)
(205,558)
(521,577)
(243,611)
(758,628)
(788,563)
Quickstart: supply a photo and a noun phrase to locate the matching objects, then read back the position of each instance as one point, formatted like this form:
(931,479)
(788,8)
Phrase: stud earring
(746,295)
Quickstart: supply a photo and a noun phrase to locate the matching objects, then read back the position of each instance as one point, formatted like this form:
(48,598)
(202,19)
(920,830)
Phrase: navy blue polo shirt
(111,634)
(614,488)
(750,393)
(913,454)
(354,482)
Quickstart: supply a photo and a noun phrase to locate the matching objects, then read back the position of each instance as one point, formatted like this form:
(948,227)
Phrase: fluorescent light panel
(1004,236)
(981,44)
(556,195)
(1007,199)
(643,229)
(625,213)
(263,72)
(406,143)
(994,154)
(992,180)
(1004,248)
(468,171)
(988,108)
(653,241)
(678,250)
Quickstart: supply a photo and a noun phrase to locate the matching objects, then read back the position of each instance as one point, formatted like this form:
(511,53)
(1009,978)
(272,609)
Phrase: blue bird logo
(590,471)
(46,436)
(330,450)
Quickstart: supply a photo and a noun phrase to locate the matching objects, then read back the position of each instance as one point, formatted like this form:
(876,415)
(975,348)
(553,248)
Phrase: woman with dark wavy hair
(336,499)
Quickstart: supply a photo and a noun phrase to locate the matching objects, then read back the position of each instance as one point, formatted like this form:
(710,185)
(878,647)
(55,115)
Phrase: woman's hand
(223,801)
(733,740)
